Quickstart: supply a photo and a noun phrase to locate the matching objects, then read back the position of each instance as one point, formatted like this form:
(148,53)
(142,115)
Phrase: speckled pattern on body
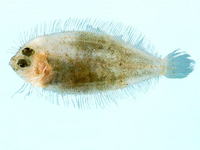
(88,61)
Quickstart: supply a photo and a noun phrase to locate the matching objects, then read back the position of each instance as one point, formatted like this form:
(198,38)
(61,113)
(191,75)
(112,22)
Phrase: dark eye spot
(23,63)
(28,51)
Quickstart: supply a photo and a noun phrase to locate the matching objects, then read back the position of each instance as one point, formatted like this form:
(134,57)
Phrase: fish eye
(28,51)
(23,63)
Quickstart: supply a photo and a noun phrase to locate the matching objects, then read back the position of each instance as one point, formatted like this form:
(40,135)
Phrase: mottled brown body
(98,62)
(89,62)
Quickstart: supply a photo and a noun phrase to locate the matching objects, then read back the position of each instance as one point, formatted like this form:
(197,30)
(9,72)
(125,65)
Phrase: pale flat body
(85,56)
(89,62)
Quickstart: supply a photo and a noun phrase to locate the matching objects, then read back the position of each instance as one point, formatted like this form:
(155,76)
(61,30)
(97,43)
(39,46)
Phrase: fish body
(87,61)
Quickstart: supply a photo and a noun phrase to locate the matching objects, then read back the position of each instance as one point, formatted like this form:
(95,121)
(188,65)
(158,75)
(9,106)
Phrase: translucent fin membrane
(179,64)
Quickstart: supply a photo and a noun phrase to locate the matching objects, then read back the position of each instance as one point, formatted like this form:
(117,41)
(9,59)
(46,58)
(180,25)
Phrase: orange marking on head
(40,73)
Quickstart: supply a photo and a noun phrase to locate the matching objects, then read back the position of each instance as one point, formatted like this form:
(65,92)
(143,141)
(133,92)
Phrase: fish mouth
(11,63)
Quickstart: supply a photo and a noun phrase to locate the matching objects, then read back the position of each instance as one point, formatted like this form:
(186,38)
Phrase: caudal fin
(179,64)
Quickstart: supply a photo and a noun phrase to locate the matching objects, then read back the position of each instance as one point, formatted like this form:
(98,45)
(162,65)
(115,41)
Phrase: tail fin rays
(179,64)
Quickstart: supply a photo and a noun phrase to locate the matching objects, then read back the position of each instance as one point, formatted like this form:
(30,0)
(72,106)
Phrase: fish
(88,57)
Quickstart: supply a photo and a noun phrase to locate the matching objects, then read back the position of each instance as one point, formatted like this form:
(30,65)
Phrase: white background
(167,117)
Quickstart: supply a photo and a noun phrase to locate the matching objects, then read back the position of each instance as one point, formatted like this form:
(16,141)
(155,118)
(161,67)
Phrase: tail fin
(179,64)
